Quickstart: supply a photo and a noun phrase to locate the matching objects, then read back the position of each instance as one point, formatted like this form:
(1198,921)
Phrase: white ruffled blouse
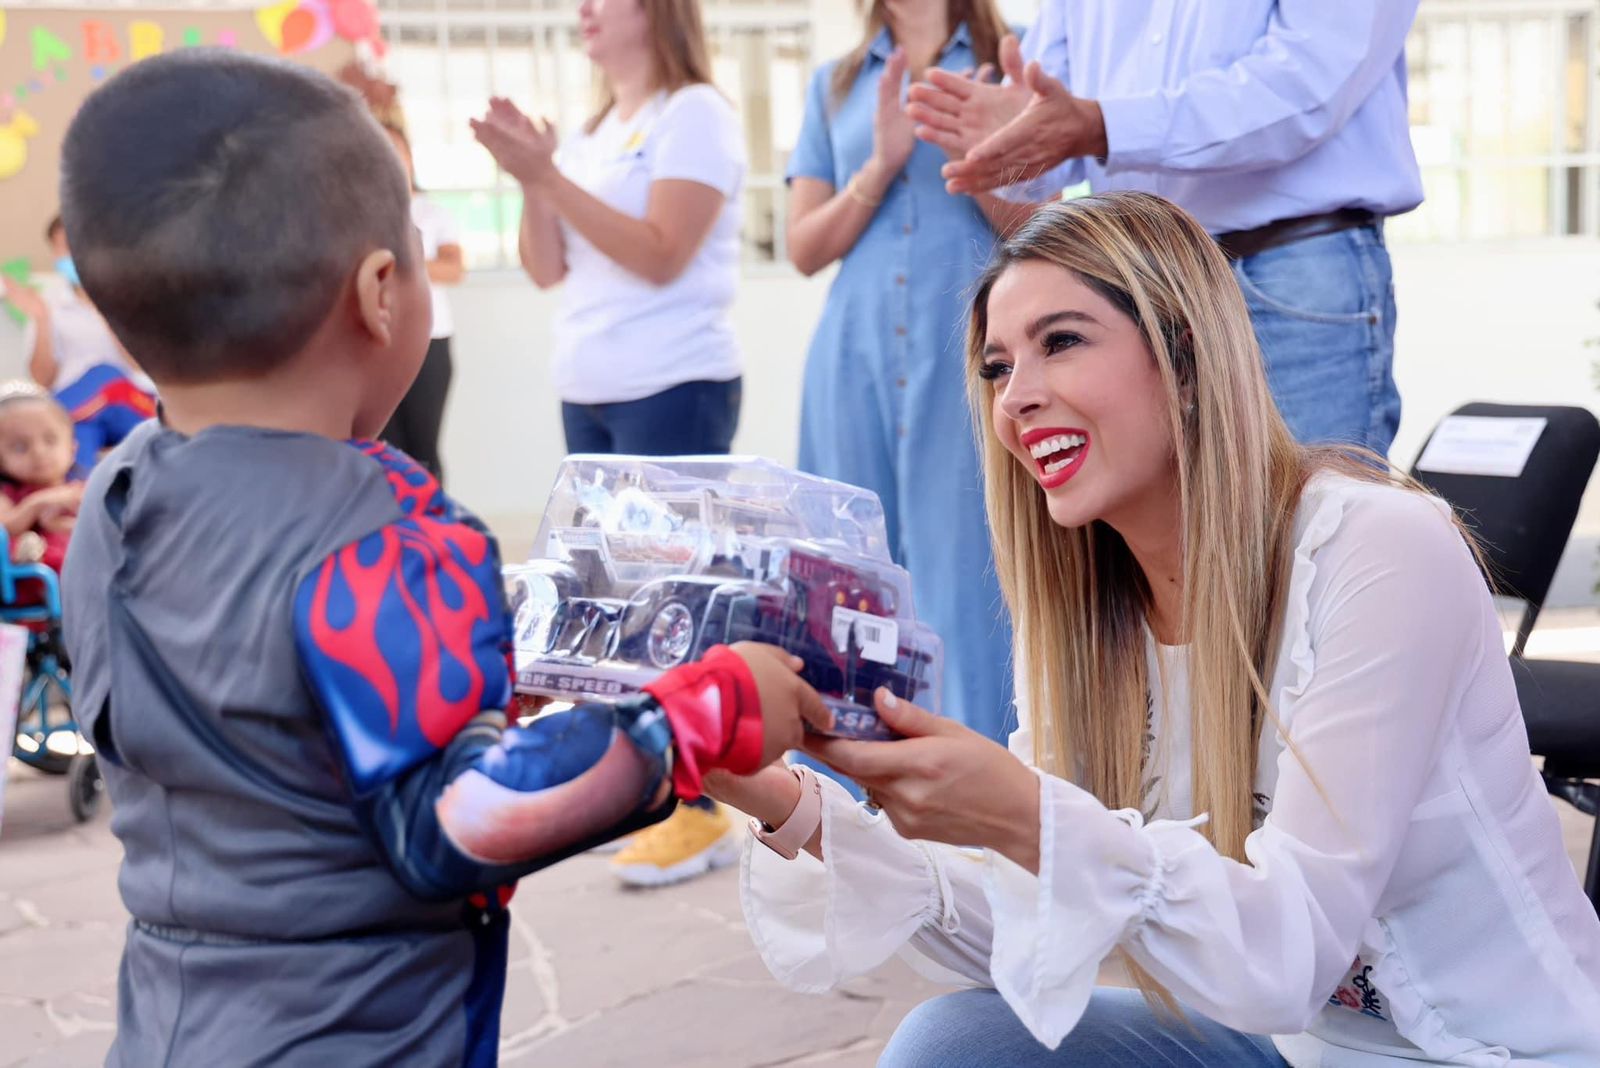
(1407,901)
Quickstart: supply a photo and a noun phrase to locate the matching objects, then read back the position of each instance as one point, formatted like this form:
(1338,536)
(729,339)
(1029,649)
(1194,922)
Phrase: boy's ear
(375,293)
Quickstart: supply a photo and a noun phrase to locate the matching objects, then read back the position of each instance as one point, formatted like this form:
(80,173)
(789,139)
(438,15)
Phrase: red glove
(715,712)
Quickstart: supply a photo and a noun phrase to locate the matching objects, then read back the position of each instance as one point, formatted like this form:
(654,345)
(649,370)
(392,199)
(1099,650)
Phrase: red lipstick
(1057,452)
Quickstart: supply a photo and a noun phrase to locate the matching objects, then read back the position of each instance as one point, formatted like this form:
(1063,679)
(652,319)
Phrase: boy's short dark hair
(217,202)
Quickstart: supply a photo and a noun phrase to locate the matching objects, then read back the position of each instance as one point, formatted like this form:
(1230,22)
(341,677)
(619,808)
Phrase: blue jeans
(1323,310)
(694,419)
(976,1029)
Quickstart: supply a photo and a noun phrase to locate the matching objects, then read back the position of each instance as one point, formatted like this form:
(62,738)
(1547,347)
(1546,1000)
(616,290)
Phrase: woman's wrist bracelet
(792,835)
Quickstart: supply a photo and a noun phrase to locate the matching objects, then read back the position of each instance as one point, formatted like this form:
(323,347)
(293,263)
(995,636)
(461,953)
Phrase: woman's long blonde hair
(677,48)
(984,24)
(1081,648)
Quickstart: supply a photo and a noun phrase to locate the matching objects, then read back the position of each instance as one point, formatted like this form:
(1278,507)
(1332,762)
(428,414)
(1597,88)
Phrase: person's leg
(1323,311)
(395,432)
(977,1029)
(584,429)
(696,418)
(1385,394)
(422,409)
(692,419)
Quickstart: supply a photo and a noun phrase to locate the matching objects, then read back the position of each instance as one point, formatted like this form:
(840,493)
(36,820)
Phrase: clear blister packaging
(644,563)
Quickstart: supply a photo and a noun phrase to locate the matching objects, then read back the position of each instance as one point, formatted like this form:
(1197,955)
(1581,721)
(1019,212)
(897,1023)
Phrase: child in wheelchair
(39,496)
(37,474)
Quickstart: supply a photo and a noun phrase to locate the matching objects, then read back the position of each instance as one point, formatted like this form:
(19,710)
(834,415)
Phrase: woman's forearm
(540,246)
(644,247)
(447,268)
(823,233)
(42,361)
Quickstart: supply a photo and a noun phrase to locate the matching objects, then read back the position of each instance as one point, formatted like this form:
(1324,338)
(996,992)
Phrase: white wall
(502,438)
(1501,322)
(1477,322)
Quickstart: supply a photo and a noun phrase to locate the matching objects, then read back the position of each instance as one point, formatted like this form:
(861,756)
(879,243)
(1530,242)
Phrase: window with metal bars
(1504,119)
(449,56)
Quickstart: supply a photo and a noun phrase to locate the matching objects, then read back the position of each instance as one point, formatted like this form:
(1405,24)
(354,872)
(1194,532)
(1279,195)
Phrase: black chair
(1523,524)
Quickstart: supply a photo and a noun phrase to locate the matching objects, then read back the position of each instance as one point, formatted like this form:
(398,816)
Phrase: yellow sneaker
(690,842)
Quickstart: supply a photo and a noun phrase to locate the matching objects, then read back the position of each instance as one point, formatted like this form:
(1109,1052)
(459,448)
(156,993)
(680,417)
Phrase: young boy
(289,647)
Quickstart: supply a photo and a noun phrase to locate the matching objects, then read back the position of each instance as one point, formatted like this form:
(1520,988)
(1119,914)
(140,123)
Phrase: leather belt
(1239,244)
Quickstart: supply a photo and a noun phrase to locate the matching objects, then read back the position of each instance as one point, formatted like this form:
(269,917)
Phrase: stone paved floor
(600,976)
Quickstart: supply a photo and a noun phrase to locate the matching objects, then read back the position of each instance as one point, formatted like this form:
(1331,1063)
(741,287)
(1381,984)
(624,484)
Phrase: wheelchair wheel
(47,762)
(46,710)
(85,788)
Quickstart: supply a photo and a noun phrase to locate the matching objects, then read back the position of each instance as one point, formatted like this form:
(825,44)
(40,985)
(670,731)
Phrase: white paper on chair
(1481,445)
(13,661)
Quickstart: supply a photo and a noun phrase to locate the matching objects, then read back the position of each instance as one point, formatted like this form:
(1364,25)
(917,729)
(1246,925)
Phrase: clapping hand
(523,148)
(1052,125)
(958,111)
(893,134)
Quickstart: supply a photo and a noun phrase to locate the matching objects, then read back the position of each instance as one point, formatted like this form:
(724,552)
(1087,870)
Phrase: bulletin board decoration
(14,135)
(51,58)
(101,46)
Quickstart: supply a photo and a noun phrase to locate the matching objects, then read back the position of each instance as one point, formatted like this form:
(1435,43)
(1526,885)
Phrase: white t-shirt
(79,337)
(1406,828)
(438,227)
(619,337)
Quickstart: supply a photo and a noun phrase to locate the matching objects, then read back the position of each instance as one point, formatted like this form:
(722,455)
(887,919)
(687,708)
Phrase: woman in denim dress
(885,404)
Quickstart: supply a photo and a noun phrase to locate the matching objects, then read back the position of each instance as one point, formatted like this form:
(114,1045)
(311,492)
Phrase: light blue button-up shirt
(1243,112)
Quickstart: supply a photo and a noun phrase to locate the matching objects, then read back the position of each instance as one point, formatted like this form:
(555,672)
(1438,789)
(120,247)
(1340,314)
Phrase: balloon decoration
(64,55)
(296,26)
(357,20)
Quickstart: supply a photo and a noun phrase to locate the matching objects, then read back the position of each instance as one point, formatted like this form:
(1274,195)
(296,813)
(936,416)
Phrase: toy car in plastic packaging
(642,564)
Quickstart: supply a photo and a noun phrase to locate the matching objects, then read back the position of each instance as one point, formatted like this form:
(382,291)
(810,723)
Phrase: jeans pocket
(1320,279)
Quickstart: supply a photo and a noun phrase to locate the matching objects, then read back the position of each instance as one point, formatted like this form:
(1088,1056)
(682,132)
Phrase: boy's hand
(770,795)
(787,702)
(26,300)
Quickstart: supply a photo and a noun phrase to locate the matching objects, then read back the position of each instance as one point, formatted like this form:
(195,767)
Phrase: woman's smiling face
(1078,399)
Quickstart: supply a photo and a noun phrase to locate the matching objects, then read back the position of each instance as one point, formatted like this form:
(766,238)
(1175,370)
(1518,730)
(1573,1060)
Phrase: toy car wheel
(538,608)
(671,635)
(85,787)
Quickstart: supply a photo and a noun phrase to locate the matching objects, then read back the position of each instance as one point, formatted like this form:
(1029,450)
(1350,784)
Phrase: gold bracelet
(853,188)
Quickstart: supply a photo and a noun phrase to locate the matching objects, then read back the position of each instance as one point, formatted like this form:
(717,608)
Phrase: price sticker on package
(878,638)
